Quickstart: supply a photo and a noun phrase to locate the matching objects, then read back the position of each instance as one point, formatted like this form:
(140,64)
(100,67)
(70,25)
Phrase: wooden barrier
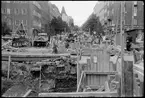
(98,60)
(80,94)
(81,87)
(30,57)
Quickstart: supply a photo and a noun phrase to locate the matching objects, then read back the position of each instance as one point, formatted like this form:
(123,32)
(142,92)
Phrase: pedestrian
(55,50)
(128,43)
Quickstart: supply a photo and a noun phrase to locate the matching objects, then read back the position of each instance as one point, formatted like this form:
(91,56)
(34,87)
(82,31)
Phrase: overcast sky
(79,10)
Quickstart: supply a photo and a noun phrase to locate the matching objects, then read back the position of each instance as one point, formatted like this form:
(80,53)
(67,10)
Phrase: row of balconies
(16,11)
(36,4)
(36,14)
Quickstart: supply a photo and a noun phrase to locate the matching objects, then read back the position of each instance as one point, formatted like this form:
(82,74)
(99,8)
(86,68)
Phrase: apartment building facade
(111,12)
(15,12)
(54,11)
(99,11)
(45,15)
(25,12)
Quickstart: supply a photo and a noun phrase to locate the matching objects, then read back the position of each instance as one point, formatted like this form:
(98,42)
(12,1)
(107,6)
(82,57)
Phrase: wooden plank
(107,86)
(106,61)
(136,88)
(89,64)
(78,69)
(27,54)
(96,73)
(94,86)
(99,60)
(128,78)
(101,80)
(27,93)
(88,79)
(92,79)
(142,88)
(80,80)
(31,57)
(9,64)
(111,66)
(101,88)
(92,62)
(97,80)
(79,94)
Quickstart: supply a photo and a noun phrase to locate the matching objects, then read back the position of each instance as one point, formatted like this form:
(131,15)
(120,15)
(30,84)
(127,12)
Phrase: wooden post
(116,28)
(128,78)
(27,93)
(9,63)
(132,21)
(78,67)
(122,51)
(40,79)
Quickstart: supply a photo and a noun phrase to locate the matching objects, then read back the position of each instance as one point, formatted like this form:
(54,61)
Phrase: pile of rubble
(41,76)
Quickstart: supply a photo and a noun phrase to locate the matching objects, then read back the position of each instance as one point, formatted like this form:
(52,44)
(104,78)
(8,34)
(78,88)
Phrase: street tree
(93,25)
(76,28)
(57,25)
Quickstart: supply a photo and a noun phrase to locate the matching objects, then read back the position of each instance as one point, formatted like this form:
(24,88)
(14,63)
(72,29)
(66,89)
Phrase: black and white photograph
(72,48)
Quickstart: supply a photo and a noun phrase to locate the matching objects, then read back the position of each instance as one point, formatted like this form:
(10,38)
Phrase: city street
(72,48)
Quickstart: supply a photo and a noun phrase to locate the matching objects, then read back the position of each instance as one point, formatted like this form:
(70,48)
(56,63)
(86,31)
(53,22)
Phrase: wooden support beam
(9,63)
(95,73)
(27,93)
(107,86)
(80,80)
(80,94)
(30,57)
(78,68)
(101,89)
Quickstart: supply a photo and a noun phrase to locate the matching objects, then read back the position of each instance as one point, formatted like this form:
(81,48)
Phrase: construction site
(73,64)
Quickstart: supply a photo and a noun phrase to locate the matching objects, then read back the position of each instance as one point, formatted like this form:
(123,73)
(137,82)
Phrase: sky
(78,10)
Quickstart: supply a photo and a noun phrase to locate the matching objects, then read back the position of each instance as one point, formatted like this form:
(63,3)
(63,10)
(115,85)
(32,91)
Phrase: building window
(8,1)
(17,22)
(17,11)
(135,2)
(112,11)
(135,11)
(2,11)
(5,11)
(9,22)
(8,11)
(24,22)
(5,1)
(24,11)
(135,22)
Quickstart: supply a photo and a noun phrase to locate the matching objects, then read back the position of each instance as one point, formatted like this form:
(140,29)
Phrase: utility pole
(116,27)
(122,23)
(132,22)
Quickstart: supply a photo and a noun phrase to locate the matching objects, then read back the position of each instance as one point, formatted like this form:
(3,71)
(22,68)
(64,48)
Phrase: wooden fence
(98,61)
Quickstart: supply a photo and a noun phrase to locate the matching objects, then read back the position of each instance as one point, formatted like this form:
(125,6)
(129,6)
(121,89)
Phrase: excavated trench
(56,76)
